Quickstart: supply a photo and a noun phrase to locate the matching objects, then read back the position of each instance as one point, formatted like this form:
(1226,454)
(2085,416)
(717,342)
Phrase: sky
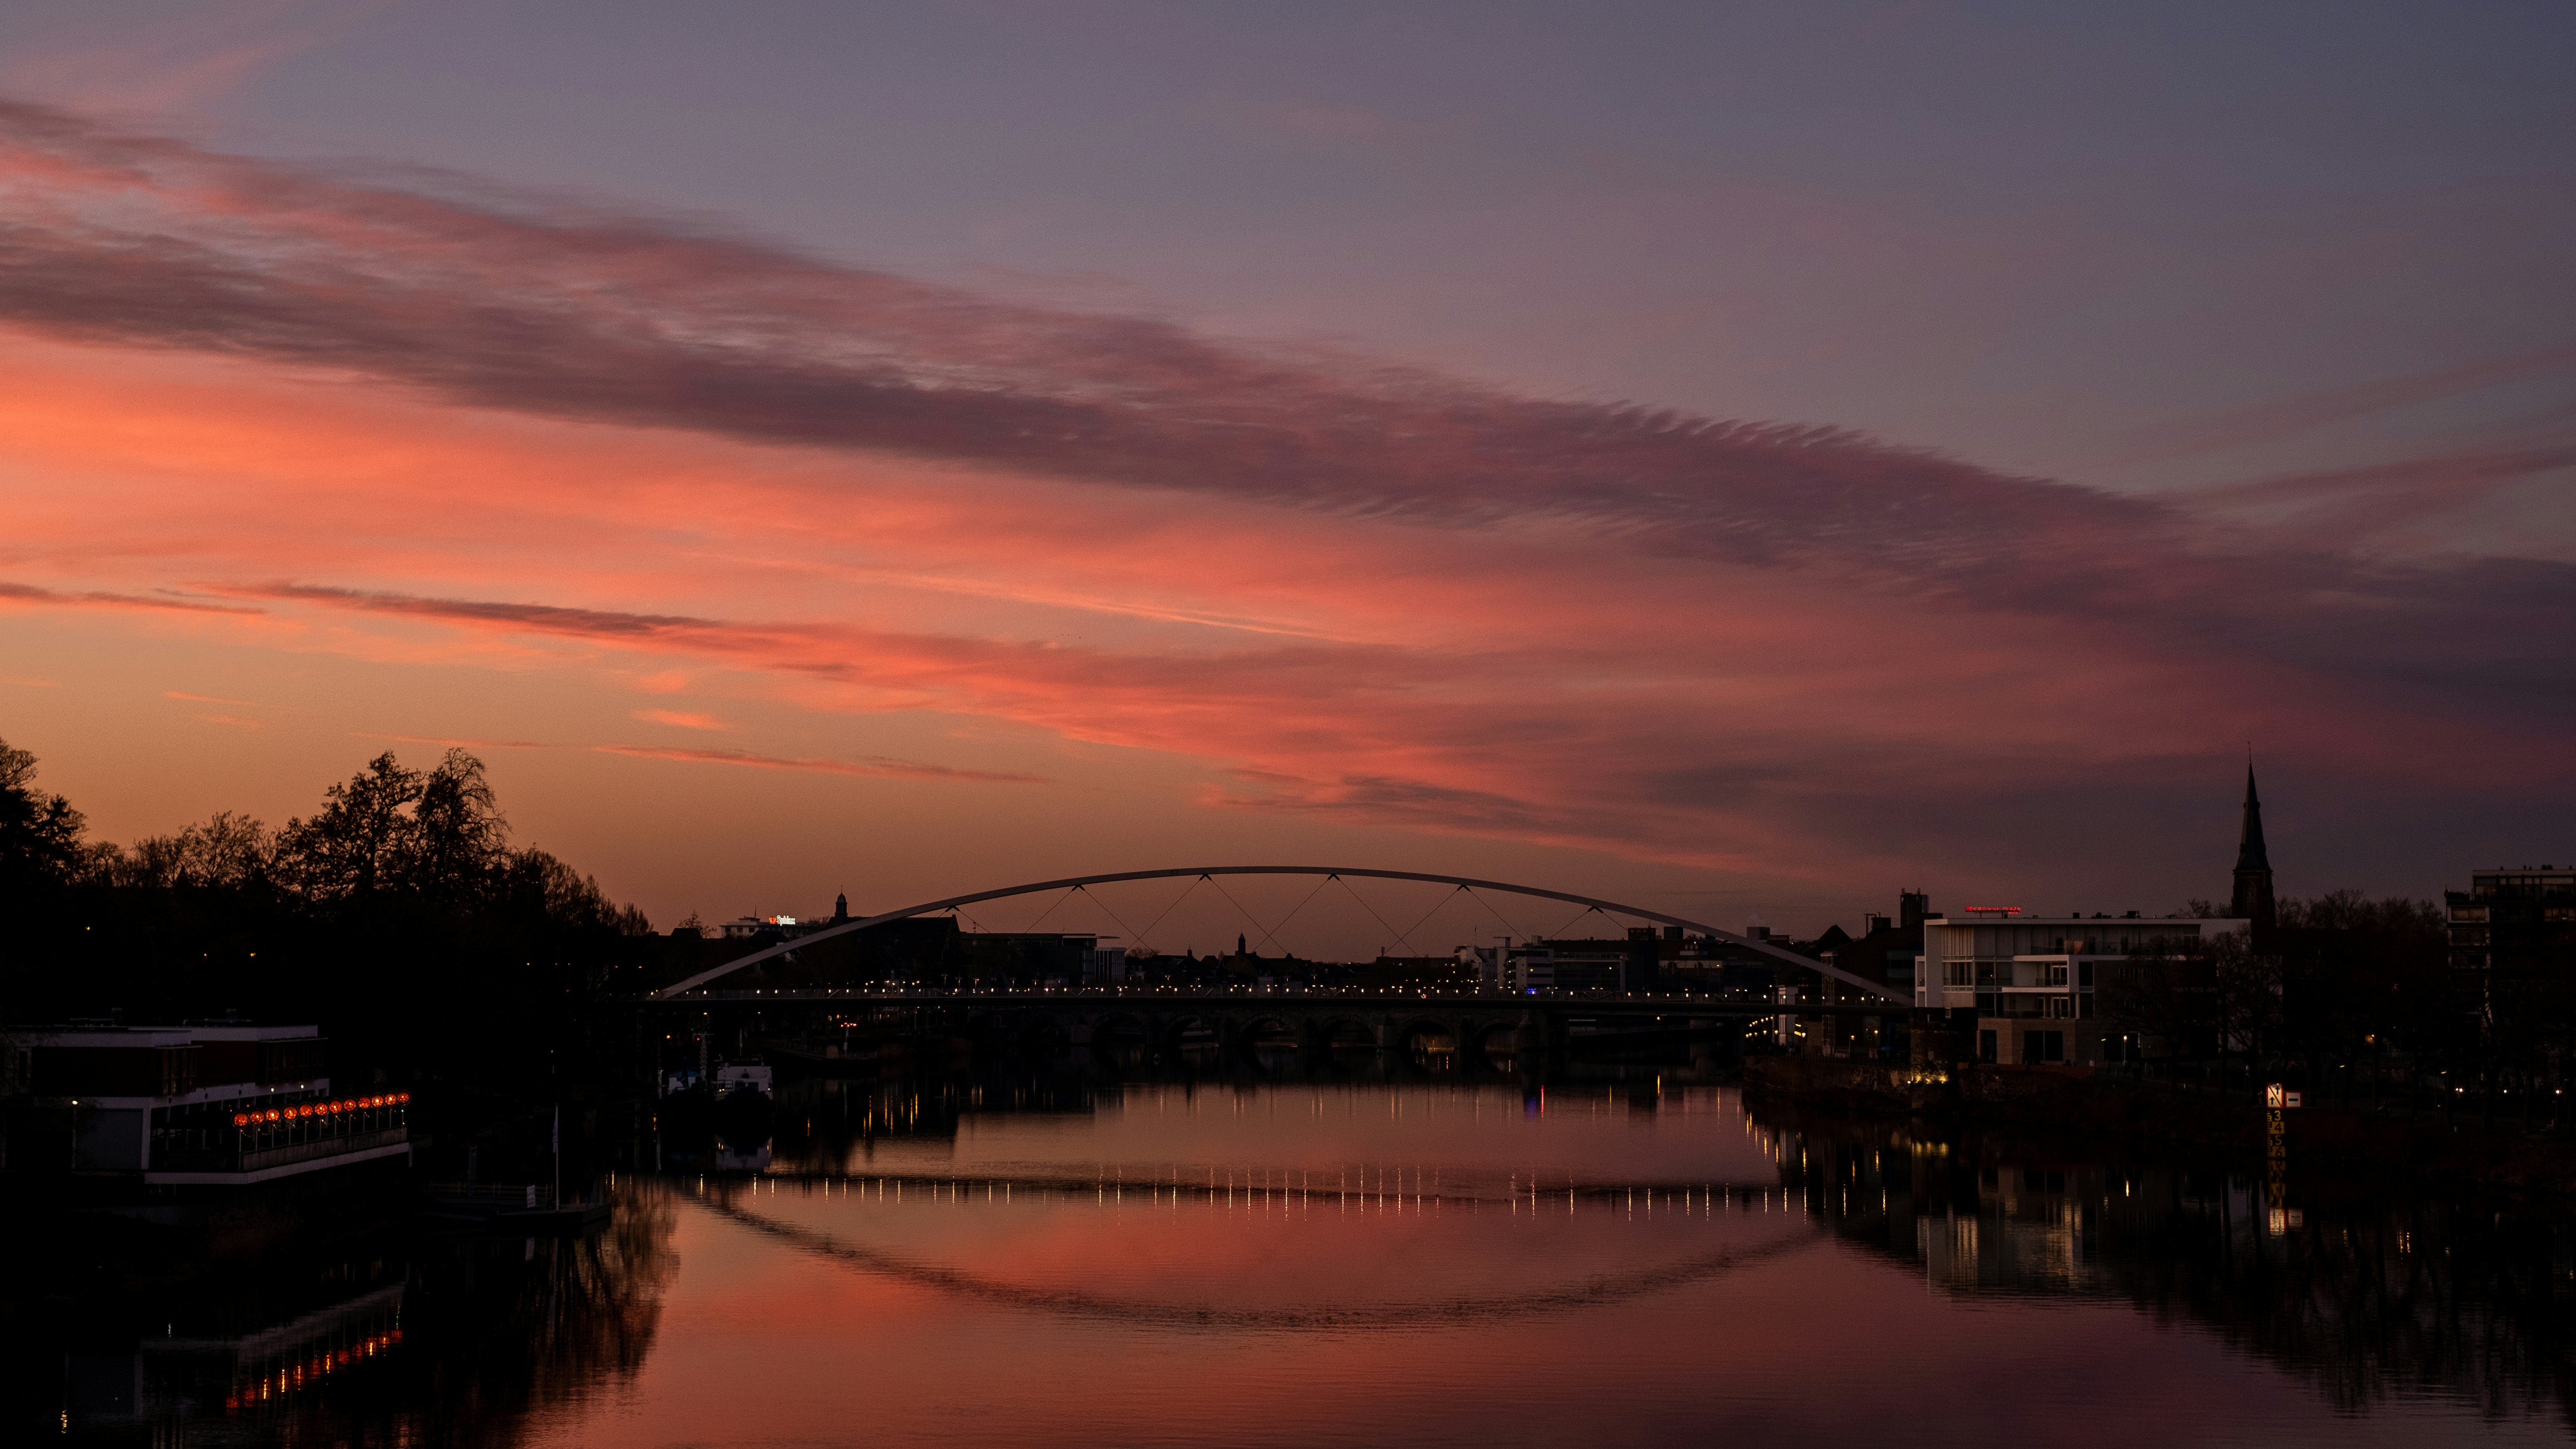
(1742,461)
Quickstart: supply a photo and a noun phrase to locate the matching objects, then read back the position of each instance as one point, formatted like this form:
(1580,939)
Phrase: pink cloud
(514,442)
(189,58)
(30,595)
(681,719)
(453,741)
(2289,416)
(876,769)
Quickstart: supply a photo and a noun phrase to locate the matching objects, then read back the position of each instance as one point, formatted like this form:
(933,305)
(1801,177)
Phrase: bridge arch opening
(1431,1047)
(1045,1039)
(1196,1042)
(1349,1044)
(1272,1044)
(1122,1043)
(1495,1045)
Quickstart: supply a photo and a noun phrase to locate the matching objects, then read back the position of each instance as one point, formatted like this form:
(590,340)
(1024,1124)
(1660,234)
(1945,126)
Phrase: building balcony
(283,1160)
(249,1142)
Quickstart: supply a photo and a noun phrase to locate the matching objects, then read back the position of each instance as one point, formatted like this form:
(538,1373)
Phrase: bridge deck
(1094,998)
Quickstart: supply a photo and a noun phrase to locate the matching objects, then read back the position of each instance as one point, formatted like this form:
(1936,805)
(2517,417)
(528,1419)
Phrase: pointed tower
(841,907)
(2253,898)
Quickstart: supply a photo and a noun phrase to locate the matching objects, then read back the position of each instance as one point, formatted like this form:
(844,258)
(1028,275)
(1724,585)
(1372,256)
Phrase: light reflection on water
(1292,1264)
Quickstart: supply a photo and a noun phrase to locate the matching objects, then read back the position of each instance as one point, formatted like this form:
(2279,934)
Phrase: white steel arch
(1205,871)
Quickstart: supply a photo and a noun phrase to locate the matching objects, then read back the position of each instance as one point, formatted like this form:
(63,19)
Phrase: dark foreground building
(2514,927)
(151,1113)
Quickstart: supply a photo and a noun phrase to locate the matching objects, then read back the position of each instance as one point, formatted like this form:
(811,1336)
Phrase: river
(1170,1264)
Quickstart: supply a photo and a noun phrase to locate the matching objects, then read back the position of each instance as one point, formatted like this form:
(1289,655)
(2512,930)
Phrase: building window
(1985,1046)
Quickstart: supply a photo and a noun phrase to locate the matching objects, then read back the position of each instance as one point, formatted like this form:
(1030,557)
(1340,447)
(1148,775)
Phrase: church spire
(2252,900)
(2250,854)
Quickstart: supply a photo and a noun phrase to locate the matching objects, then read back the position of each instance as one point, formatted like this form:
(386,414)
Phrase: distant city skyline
(1742,463)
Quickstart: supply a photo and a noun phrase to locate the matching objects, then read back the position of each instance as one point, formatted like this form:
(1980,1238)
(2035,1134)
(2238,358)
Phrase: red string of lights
(320,1109)
(284,1381)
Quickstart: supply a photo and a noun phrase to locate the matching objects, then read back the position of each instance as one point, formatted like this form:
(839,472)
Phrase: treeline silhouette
(397,916)
(2359,1000)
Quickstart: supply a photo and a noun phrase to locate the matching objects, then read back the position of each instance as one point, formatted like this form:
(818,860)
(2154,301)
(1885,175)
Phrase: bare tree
(2245,997)
(2369,978)
(456,836)
(356,844)
(40,834)
(226,851)
(2162,998)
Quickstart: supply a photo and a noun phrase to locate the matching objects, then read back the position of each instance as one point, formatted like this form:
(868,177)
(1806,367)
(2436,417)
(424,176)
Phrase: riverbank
(2538,1164)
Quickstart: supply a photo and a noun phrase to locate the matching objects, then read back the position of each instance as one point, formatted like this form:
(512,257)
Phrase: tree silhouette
(395,917)
(229,851)
(356,844)
(40,834)
(455,841)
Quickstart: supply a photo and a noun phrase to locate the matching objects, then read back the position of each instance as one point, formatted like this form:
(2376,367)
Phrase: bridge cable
(1400,937)
(1427,915)
(1569,925)
(1238,905)
(1498,915)
(1167,910)
(1293,910)
(1113,915)
(1050,910)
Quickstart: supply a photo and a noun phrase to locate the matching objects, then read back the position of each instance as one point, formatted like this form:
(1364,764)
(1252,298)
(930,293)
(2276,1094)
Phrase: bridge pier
(1703,1052)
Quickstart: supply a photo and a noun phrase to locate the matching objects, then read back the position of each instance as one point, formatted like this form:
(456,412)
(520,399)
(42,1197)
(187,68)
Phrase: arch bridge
(1867,988)
(1161,1020)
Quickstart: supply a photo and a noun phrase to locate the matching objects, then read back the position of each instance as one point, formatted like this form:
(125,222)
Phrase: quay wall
(2428,1145)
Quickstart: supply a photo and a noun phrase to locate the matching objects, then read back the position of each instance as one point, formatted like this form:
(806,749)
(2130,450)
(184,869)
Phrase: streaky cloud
(102,599)
(879,768)
(537,618)
(548,307)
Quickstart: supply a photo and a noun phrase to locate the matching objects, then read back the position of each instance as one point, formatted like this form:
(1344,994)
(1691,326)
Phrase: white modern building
(2034,981)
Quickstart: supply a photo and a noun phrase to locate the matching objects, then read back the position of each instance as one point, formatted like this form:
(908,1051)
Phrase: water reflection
(742,1205)
(447,1341)
(2363,1299)
(1182,1263)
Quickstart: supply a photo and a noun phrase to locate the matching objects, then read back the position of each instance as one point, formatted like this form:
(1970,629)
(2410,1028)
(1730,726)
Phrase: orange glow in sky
(755,577)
